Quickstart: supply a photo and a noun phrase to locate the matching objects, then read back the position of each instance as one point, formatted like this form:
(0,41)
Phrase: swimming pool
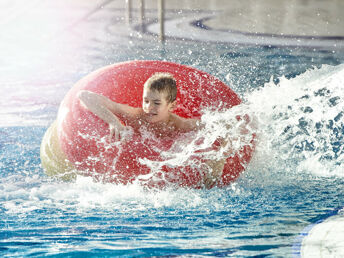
(294,180)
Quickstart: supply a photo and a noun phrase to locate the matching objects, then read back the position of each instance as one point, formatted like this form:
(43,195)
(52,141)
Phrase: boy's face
(155,106)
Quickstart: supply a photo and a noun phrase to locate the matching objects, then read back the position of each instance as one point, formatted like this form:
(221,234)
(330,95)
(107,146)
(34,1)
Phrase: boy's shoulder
(130,115)
(185,124)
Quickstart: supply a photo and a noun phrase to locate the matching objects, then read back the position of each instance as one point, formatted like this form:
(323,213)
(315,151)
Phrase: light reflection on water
(261,214)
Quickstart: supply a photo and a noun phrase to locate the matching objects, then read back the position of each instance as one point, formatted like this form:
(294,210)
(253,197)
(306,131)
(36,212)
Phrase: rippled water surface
(295,178)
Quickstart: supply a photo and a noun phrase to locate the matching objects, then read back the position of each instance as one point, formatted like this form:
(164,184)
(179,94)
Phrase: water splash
(301,121)
(203,154)
(25,195)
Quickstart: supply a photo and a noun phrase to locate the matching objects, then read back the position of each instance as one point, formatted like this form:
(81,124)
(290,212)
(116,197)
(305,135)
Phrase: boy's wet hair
(163,82)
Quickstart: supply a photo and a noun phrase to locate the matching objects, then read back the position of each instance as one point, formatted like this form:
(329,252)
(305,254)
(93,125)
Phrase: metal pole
(142,13)
(161,19)
(128,13)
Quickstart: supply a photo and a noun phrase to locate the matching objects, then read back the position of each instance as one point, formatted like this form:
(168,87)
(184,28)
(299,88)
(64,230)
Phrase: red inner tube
(80,131)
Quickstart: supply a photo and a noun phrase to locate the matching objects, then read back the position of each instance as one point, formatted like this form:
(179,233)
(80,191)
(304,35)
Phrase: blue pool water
(295,179)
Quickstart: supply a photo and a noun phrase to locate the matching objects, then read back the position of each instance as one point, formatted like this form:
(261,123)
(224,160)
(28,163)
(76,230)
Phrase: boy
(159,99)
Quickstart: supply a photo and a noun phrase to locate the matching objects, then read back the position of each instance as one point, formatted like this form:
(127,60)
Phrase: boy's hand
(213,172)
(115,129)
(209,182)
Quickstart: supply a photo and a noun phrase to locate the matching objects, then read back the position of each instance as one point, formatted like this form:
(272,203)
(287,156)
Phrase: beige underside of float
(53,159)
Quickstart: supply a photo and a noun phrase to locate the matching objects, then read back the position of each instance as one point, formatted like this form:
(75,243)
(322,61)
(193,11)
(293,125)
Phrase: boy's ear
(173,105)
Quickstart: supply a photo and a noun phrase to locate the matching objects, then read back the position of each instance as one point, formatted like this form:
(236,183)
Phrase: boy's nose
(150,106)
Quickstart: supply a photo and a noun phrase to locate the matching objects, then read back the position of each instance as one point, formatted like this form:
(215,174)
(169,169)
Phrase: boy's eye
(157,103)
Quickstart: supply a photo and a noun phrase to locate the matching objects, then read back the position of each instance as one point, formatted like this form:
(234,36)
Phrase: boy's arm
(114,107)
(104,108)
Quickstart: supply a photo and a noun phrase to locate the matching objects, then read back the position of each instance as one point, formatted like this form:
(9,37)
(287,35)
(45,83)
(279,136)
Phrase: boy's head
(163,83)
(159,97)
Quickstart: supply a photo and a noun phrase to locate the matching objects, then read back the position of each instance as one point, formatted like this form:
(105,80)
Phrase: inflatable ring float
(74,143)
